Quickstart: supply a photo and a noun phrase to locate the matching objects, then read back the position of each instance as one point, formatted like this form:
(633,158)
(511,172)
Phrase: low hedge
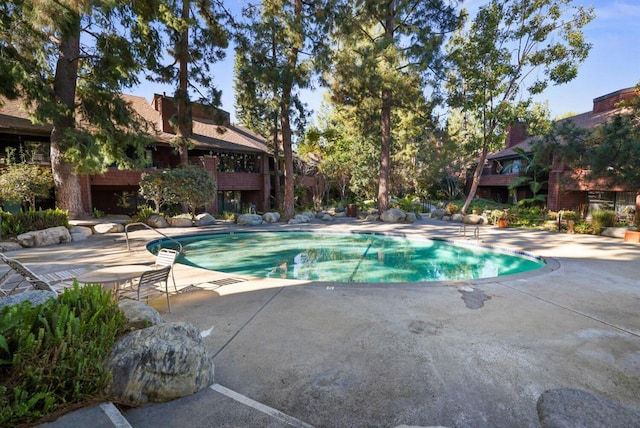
(27,221)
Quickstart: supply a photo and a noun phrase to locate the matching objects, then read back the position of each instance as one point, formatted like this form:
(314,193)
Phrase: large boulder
(103,228)
(249,220)
(457,217)
(41,238)
(139,315)
(159,364)
(181,221)
(410,218)
(36,297)
(157,221)
(473,219)
(205,219)
(393,215)
(271,217)
(438,213)
(80,233)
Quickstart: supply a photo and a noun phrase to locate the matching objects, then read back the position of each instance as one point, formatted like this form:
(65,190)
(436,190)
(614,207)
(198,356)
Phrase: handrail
(126,234)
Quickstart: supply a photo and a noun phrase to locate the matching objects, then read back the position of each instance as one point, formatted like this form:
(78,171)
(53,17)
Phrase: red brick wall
(609,101)
(516,134)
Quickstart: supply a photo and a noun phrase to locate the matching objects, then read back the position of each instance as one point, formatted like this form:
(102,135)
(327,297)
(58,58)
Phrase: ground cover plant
(30,220)
(51,355)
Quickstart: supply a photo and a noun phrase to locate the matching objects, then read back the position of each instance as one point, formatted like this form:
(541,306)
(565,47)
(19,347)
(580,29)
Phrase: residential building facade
(238,159)
(565,188)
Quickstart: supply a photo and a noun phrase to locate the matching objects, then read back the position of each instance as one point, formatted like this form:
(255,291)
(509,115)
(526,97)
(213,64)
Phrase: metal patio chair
(149,286)
(167,257)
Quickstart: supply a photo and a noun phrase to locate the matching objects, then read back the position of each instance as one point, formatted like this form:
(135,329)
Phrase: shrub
(15,224)
(601,219)
(144,212)
(51,355)
(451,208)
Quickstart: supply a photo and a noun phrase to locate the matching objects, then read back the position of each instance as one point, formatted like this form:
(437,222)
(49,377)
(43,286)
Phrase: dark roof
(14,119)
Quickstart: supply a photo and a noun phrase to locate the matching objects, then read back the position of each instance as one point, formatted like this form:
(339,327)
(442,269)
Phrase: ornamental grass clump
(601,219)
(51,355)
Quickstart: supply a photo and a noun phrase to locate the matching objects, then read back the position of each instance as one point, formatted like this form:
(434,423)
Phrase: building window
(238,162)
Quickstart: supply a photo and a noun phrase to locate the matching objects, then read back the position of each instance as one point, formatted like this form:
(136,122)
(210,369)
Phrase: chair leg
(174,282)
(166,288)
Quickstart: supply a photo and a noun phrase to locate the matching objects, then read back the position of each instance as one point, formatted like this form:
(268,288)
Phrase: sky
(613,63)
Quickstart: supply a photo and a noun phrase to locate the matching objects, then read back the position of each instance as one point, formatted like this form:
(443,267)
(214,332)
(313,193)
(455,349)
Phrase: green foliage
(22,181)
(601,219)
(511,52)
(15,224)
(144,212)
(97,213)
(109,42)
(192,186)
(52,355)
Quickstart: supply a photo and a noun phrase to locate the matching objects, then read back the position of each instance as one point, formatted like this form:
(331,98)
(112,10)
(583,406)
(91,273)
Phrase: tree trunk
(183,115)
(289,199)
(385,119)
(285,123)
(475,182)
(67,185)
(385,151)
(277,185)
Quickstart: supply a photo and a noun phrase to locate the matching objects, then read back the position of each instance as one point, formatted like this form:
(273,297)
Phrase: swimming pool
(348,257)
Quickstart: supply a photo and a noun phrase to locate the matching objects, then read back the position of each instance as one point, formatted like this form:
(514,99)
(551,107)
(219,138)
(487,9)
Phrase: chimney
(516,134)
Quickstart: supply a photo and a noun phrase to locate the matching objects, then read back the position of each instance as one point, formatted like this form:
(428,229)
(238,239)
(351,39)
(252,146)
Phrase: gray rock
(614,232)
(472,219)
(159,364)
(410,218)
(566,407)
(205,219)
(104,228)
(457,217)
(445,218)
(78,237)
(77,230)
(340,214)
(372,217)
(44,237)
(249,220)
(438,213)
(271,217)
(393,215)
(139,315)
(157,221)
(9,246)
(181,221)
(301,218)
(326,217)
(36,297)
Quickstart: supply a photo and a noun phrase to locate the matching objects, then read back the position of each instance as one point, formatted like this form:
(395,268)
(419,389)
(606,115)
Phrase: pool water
(348,257)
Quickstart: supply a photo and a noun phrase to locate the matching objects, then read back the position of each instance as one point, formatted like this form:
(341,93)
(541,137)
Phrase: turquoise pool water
(348,257)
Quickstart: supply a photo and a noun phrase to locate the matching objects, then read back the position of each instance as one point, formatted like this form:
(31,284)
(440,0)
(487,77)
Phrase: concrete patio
(289,353)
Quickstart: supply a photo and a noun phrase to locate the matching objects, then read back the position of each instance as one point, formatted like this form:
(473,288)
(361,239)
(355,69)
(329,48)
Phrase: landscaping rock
(566,407)
(181,221)
(302,218)
(159,364)
(326,217)
(36,297)
(457,218)
(438,213)
(393,215)
(410,218)
(614,232)
(472,219)
(372,217)
(139,315)
(86,231)
(271,217)
(340,214)
(157,221)
(104,228)
(41,238)
(9,245)
(249,220)
(445,218)
(205,219)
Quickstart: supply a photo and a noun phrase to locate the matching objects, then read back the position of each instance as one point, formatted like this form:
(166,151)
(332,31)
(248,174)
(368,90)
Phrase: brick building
(238,159)
(565,189)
